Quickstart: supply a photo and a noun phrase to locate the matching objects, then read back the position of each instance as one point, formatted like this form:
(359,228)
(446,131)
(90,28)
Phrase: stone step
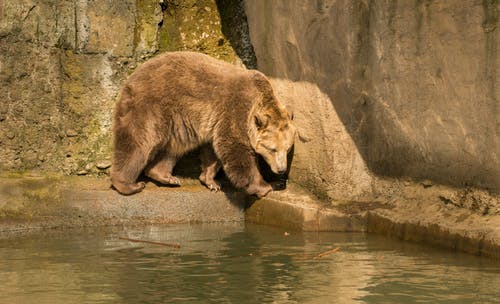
(423,221)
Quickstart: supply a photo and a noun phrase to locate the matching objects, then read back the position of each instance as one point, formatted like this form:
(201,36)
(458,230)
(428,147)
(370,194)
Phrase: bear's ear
(261,120)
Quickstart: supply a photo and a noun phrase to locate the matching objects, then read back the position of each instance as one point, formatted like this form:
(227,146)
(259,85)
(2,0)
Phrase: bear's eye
(270,148)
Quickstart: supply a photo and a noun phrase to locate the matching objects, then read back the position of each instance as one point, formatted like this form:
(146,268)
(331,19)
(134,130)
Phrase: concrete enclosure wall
(385,88)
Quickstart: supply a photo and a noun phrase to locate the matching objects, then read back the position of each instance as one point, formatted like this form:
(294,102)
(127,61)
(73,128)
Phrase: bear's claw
(214,187)
(165,179)
(172,180)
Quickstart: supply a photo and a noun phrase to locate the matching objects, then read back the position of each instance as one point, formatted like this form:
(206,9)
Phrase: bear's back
(187,77)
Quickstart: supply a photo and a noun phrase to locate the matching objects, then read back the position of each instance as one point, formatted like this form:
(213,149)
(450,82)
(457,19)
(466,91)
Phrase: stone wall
(62,64)
(393,89)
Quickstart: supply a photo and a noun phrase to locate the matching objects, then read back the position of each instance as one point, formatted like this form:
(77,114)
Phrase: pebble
(71,133)
(82,172)
(11,135)
(103,164)
(89,166)
(427,183)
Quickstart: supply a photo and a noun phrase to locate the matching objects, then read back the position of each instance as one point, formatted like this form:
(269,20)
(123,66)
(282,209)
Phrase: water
(234,263)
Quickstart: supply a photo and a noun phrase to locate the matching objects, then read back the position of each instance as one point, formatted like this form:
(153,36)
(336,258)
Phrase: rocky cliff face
(405,89)
(62,64)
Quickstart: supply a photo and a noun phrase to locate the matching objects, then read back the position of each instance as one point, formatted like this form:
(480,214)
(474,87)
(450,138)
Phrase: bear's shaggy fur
(180,101)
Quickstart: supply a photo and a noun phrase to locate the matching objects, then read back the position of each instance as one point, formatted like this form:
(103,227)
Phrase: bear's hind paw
(171,181)
(168,180)
(129,189)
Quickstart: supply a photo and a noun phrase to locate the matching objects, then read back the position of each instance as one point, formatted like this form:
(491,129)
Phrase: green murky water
(234,263)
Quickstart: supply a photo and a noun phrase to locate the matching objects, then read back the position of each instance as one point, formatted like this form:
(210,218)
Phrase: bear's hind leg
(161,170)
(124,173)
(210,166)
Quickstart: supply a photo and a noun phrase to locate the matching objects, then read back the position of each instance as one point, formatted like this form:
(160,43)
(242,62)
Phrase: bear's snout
(281,162)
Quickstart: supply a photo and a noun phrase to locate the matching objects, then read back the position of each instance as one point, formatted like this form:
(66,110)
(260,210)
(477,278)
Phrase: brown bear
(180,101)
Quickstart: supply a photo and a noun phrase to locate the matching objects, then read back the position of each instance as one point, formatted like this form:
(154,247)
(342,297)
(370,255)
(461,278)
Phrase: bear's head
(271,130)
(273,136)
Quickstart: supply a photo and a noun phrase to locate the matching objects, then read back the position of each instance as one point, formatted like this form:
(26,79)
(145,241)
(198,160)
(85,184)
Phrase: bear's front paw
(260,190)
(264,191)
(210,183)
(214,186)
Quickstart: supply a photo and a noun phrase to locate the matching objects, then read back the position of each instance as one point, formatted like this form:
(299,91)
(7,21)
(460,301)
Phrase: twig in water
(150,242)
(327,252)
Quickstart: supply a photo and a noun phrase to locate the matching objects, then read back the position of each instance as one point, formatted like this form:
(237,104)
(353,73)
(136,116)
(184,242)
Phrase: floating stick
(327,253)
(150,242)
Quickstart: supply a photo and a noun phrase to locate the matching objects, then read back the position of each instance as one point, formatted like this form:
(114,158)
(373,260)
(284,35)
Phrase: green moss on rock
(148,16)
(194,25)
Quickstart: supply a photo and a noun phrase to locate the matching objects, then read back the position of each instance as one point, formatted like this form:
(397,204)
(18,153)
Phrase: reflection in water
(228,263)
